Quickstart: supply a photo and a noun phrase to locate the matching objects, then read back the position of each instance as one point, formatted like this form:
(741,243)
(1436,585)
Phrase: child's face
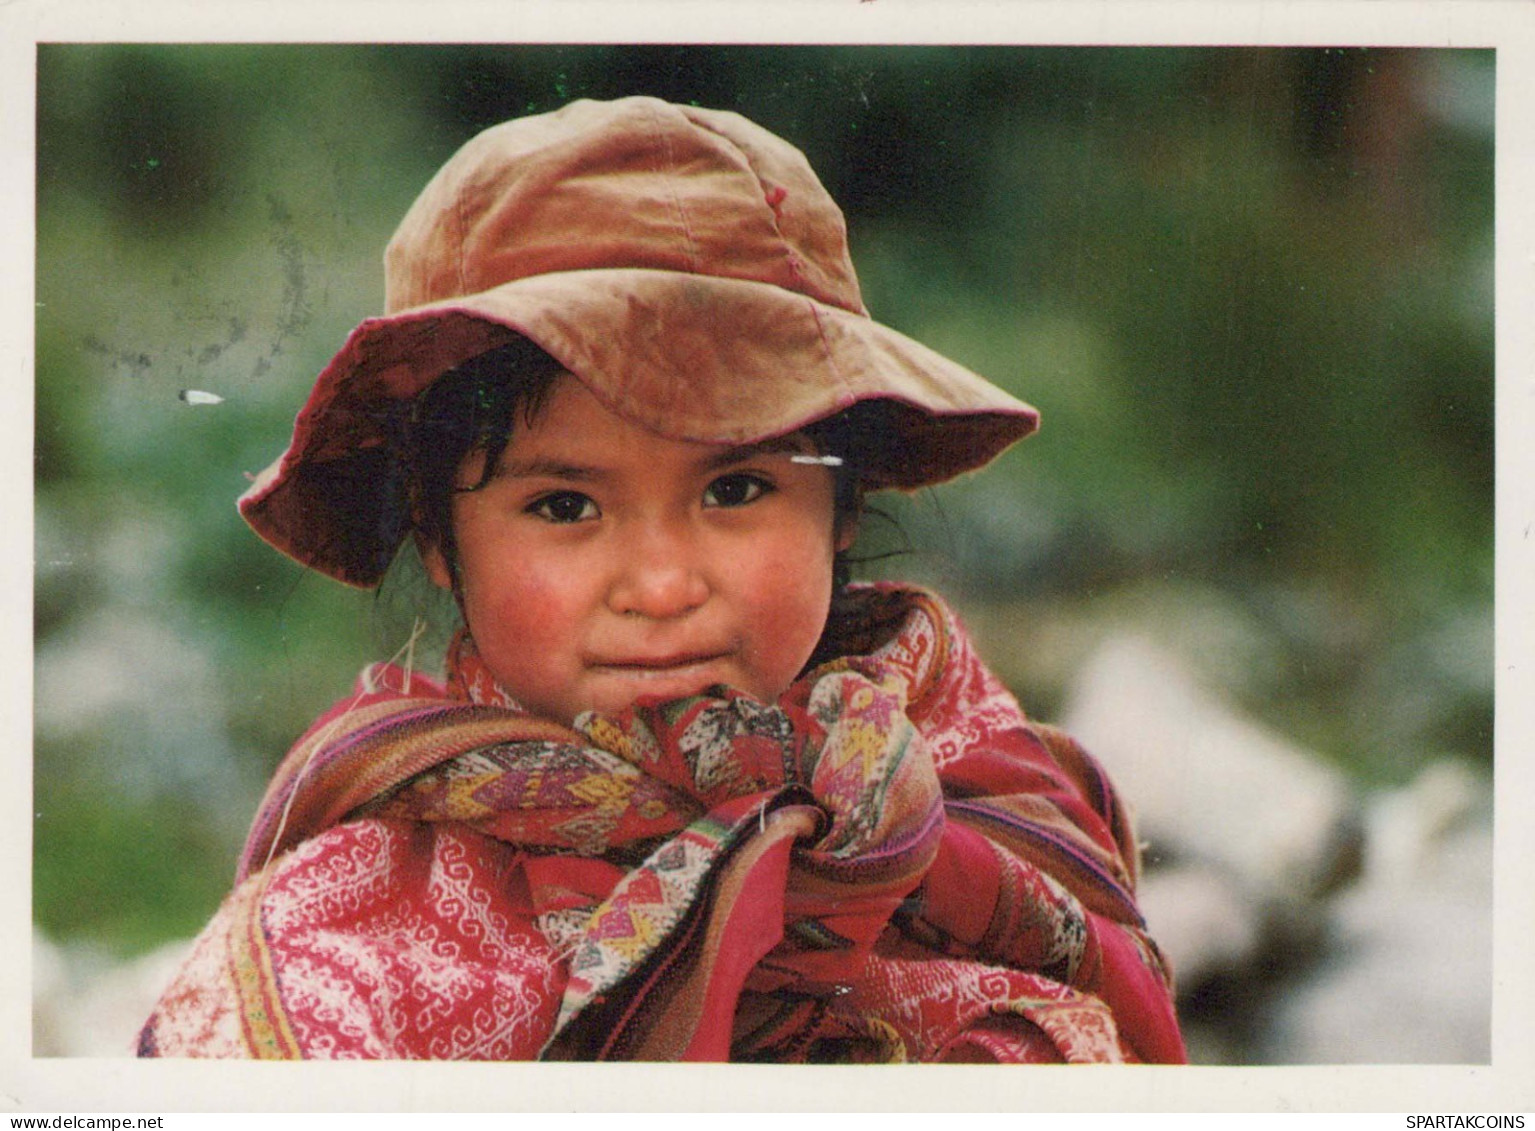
(602,563)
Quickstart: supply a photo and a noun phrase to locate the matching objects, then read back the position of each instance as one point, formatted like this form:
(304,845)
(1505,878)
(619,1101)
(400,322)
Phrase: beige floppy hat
(684,264)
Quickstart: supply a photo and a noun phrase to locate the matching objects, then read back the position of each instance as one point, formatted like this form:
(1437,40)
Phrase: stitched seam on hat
(458,239)
(793,260)
(682,216)
(831,356)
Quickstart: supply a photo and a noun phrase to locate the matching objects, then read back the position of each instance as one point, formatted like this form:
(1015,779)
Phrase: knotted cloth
(889,863)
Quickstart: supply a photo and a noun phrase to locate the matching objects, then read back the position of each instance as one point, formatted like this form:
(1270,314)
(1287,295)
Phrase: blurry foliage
(1250,290)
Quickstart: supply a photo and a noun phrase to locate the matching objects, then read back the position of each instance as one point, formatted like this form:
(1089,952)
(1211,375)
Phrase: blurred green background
(1250,290)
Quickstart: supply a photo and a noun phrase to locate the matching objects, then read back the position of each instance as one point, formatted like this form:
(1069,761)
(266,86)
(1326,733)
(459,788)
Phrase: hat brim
(689,357)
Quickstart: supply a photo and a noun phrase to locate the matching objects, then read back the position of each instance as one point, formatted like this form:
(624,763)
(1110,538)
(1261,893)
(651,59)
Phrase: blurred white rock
(85,1004)
(1305,926)
(1409,827)
(1201,920)
(1208,784)
(1408,977)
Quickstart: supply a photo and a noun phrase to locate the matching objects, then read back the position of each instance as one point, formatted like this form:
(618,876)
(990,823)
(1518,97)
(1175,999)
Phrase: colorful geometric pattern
(888,863)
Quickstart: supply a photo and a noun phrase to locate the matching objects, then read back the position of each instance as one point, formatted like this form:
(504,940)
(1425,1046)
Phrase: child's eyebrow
(546,469)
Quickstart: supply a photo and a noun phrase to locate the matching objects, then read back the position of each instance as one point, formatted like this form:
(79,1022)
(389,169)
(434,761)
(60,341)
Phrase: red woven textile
(890,863)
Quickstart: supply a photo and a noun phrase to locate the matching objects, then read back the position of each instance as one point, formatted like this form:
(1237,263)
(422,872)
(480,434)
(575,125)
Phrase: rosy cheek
(529,605)
(791,591)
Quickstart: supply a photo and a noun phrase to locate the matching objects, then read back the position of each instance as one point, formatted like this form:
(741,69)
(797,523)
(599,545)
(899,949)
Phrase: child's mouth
(658,666)
(673,677)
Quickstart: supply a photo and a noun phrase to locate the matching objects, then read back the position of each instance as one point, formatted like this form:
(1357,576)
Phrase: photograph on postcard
(851,554)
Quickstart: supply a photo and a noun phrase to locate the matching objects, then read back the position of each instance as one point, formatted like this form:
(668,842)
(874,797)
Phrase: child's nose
(658,575)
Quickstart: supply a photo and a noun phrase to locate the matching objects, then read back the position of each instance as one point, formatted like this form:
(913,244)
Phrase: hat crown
(634,183)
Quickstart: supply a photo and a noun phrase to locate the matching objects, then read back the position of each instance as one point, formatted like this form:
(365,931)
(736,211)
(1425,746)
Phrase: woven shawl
(888,864)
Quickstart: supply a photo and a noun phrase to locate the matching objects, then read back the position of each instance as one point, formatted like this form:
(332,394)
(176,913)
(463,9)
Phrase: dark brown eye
(563,507)
(736,490)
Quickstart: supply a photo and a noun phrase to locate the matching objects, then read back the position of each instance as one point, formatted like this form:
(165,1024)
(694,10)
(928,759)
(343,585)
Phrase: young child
(686,793)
